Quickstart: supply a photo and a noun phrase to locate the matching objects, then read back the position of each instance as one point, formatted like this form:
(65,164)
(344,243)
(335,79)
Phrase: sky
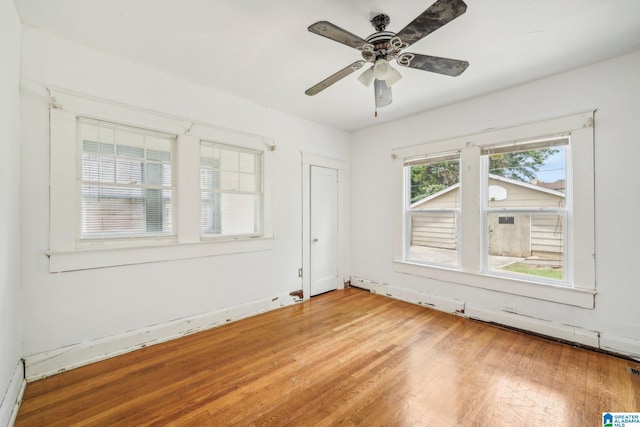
(555,167)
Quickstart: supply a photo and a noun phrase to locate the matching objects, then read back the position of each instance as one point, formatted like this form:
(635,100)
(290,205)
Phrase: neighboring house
(517,235)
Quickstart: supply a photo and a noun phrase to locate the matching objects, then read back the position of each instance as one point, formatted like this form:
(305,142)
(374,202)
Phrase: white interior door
(323,229)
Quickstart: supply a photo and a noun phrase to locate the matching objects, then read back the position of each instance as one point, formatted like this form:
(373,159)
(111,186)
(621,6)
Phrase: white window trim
(213,236)
(563,212)
(581,236)
(66,253)
(126,239)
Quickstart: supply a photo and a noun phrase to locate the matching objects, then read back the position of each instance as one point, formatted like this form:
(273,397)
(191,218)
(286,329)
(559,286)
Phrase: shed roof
(527,185)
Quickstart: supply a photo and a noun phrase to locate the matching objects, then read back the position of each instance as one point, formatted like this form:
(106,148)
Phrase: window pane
(528,178)
(206,178)
(230,180)
(247,163)
(247,182)
(138,164)
(434,238)
(239,213)
(129,171)
(526,244)
(154,174)
(229,160)
(431,178)
(434,202)
(230,214)
(112,210)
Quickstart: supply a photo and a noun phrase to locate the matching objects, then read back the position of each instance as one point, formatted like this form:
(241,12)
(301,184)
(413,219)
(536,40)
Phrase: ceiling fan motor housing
(381,46)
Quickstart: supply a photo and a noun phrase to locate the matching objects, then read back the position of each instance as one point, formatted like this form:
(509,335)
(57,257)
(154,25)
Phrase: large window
(127,184)
(433,209)
(231,184)
(130,186)
(510,210)
(525,209)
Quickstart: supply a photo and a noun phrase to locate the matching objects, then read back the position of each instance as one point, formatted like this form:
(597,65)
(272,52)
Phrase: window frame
(68,253)
(259,192)
(564,212)
(581,232)
(87,241)
(456,212)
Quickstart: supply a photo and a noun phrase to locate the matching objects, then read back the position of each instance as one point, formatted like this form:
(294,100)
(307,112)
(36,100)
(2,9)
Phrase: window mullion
(470,221)
(188,188)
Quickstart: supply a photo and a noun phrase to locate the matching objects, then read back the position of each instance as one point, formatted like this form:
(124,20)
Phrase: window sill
(85,259)
(578,297)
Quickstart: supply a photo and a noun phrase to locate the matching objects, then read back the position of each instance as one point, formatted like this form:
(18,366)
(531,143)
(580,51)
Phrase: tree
(522,166)
(433,177)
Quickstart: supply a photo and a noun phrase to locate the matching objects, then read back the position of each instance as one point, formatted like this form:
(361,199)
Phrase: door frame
(308,160)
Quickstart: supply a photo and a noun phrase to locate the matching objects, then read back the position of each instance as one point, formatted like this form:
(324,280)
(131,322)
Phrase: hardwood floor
(348,357)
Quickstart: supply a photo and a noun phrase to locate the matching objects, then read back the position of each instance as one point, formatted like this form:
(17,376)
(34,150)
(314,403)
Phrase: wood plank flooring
(349,358)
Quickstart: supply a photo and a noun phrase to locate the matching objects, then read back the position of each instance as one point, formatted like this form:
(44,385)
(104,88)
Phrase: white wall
(10,323)
(611,87)
(74,307)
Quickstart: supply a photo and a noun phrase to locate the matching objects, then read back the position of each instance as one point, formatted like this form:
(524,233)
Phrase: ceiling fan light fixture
(367,77)
(394,77)
(382,69)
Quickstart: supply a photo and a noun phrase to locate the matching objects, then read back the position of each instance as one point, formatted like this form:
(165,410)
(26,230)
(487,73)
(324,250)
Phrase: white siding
(433,230)
(546,235)
(543,234)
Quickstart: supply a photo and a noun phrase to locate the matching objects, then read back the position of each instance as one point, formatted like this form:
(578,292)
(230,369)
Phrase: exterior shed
(516,235)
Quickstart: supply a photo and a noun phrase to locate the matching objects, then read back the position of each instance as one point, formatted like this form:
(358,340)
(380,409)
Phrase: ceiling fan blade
(435,64)
(438,14)
(334,78)
(333,32)
(383,93)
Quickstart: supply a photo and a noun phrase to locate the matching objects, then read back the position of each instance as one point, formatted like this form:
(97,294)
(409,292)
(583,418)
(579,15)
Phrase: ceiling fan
(383,46)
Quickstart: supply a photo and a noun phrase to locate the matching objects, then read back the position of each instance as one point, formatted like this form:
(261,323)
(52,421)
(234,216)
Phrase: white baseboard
(625,346)
(12,397)
(55,361)
(449,305)
(538,326)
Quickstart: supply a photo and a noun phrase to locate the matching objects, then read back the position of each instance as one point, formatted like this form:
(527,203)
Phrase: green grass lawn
(535,270)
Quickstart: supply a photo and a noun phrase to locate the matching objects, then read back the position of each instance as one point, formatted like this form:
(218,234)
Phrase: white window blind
(231,185)
(127,181)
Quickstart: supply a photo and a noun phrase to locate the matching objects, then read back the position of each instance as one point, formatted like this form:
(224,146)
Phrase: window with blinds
(127,186)
(231,185)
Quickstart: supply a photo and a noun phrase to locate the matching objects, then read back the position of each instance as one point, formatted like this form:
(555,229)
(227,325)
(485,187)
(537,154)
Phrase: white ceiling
(261,50)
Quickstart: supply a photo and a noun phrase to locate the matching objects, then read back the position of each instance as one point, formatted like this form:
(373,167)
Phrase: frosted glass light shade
(367,77)
(382,69)
(394,77)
